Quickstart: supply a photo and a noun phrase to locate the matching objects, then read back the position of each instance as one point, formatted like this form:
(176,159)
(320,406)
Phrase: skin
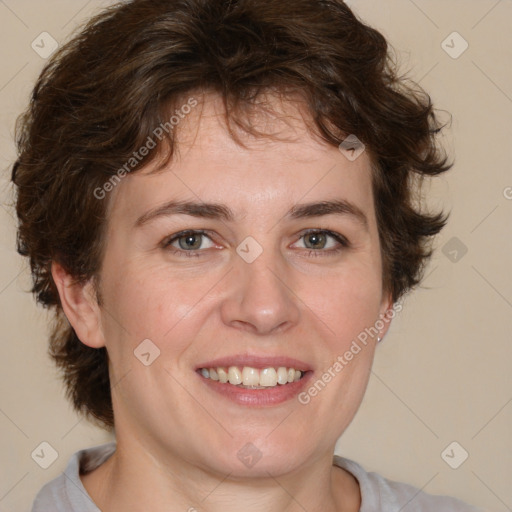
(177,441)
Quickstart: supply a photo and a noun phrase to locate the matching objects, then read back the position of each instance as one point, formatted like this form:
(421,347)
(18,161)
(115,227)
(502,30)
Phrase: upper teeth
(247,376)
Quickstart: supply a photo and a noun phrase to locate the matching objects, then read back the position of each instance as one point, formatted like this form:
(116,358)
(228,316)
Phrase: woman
(217,201)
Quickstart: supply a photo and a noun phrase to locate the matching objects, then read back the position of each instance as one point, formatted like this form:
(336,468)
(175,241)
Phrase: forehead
(282,162)
(273,124)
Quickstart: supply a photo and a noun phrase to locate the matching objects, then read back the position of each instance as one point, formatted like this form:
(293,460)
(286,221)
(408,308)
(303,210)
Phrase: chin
(259,457)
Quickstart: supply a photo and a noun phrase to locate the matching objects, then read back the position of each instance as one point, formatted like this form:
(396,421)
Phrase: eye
(322,241)
(318,242)
(188,241)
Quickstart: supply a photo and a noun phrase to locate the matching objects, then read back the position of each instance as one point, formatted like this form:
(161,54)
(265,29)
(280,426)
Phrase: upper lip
(254,361)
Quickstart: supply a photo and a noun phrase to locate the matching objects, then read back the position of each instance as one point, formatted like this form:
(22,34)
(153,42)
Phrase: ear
(387,312)
(80,306)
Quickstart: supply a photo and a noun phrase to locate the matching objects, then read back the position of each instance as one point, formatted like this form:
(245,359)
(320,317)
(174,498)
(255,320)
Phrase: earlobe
(80,306)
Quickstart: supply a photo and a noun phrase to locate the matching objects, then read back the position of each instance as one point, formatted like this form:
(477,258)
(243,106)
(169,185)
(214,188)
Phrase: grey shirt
(67,494)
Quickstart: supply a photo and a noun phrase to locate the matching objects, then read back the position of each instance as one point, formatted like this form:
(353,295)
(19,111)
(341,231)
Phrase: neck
(133,479)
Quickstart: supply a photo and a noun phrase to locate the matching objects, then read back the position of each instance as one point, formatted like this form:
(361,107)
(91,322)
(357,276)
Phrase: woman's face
(281,269)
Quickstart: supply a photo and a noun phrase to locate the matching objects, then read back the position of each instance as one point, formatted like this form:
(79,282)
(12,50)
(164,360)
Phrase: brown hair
(103,94)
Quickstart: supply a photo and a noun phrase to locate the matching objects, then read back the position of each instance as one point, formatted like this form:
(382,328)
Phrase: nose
(260,298)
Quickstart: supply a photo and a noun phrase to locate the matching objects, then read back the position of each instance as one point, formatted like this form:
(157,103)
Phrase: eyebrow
(222,212)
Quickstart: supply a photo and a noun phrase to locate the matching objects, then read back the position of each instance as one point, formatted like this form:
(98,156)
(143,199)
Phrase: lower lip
(258,397)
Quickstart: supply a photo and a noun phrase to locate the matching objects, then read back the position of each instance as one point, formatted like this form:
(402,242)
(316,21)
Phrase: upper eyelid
(329,232)
(180,234)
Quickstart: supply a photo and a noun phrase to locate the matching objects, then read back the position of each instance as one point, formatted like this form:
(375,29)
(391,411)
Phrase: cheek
(144,302)
(346,313)
(348,302)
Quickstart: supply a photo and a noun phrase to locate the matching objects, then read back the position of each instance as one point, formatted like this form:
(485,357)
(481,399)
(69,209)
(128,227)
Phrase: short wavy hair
(102,94)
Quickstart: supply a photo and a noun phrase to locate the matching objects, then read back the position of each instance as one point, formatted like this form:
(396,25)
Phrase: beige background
(443,373)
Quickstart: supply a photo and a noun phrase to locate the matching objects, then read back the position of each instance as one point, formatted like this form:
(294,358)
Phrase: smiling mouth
(253,378)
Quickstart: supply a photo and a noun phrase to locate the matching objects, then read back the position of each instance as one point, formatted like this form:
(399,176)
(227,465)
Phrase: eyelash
(342,241)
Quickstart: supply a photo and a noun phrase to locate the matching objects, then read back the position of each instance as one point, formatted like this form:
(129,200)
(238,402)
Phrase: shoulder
(379,493)
(66,492)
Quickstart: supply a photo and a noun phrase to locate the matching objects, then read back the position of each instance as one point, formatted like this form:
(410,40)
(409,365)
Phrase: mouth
(248,377)
(255,381)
